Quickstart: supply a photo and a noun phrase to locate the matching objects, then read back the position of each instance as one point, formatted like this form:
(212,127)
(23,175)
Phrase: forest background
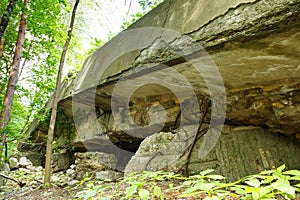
(46,31)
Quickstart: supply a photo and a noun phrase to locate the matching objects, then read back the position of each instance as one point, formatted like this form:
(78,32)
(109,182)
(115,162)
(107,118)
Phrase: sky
(108,16)
(102,21)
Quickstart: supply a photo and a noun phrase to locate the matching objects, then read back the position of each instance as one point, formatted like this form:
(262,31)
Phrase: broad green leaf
(203,173)
(285,187)
(89,193)
(222,194)
(255,195)
(215,177)
(188,182)
(268,179)
(263,191)
(144,194)
(130,191)
(238,190)
(140,184)
(297,189)
(157,191)
(268,172)
(292,172)
(254,182)
(199,187)
(295,178)
(281,168)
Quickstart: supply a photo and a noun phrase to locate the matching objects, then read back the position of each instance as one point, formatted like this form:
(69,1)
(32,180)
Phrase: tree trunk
(56,94)
(13,77)
(1,47)
(5,17)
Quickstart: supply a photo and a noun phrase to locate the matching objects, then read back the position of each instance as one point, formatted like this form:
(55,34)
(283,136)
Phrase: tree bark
(56,94)
(5,17)
(1,47)
(13,77)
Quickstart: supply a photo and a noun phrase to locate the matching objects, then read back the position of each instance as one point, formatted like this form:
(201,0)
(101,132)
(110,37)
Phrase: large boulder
(94,162)
(240,151)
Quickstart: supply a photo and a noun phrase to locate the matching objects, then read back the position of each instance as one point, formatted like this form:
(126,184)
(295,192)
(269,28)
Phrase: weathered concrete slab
(254,43)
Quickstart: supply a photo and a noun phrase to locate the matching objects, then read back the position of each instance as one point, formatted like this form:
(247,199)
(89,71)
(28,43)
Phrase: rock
(254,148)
(71,173)
(60,161)
(72,166)
(36,158)
(38,168)
(108,175)
(5,167)
(13,163)
(244,150)
(27,171)
(162,151)
(2,182)
(92,162)
(25,163)
(59,179)
(72,182)
(55,178)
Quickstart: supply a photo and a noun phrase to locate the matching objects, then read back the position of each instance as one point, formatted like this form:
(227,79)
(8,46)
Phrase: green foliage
(45,37)
(38,65)
(146,6)
(152,185)
(92,190)
(95,44)
(269,184)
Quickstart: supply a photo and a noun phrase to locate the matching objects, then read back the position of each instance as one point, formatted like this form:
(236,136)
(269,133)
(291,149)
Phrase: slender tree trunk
(56,94)
(13,77)
(5,17)
(2,46)
(25,59)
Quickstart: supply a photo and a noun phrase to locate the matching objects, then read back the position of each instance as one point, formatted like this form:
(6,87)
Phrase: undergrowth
(160,185)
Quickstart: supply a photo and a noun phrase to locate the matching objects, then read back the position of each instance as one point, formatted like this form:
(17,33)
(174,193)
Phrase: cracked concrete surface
(254,43)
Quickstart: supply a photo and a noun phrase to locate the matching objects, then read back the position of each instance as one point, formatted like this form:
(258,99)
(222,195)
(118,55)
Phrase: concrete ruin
(146,83)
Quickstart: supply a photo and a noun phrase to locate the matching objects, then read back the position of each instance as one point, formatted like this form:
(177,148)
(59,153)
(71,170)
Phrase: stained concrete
(254,44)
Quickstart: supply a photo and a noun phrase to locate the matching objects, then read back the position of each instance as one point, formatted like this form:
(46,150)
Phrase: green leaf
(285,187)
(281,168)
(254,182)
(130,191)
(144,194)
(157,191)
(239,189)
(203,173)
(298,185)
(89,193)
(263,191)
(292,172)
(199,187)
(215,177)
(268,172)
(255,195)
(295,178)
